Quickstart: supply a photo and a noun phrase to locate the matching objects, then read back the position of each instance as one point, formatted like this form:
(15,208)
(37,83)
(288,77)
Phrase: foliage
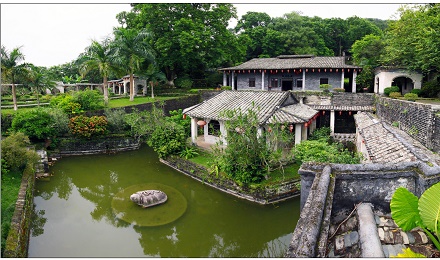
(325,86)
(188,153)
(11,68)
(395,95)
(116,120)
(176,116)
(431,89)
(6,122)
(409,212)
(60,121)
(416,91)
(410,96)
(322,133)
(36,123)
(66,102)
(167,138)
(339,89)
(39,81)
(15,152)
(408,253)
(388,90)
(184,82)
(88,99)
(84,126)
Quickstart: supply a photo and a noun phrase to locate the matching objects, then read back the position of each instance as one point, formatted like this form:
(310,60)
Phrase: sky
(54,34)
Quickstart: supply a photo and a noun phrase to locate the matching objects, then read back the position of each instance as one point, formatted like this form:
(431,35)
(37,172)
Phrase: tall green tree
(38,80)
(99,56)
(131,51)
(11,64)
(188,38)
(413,41)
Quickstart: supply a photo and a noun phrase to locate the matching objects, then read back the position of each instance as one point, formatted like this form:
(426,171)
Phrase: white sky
(53,34)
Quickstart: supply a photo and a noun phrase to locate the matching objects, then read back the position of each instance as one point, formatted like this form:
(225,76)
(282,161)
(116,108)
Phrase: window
(274,83)
(299,83)
(323,81)
(252,82)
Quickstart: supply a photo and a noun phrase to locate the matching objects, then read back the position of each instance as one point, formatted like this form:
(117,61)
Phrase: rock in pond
(148,198)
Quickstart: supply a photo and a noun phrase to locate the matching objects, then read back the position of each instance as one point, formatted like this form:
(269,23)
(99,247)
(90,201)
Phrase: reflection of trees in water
(61,185)
(37,223)
(100,192)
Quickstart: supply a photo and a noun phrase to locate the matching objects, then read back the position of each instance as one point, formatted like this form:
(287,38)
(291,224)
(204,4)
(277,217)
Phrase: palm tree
(11,68)
(38,80)
(99,56)
(131,50)
(154,76)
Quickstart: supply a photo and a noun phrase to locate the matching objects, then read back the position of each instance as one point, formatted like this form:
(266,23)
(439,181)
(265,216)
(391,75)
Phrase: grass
(123,102)
(204,158)
(10,186)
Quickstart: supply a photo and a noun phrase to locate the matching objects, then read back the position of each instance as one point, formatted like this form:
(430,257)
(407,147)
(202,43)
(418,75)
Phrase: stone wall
(260,195)
(18,237)
(72,146)
(416,119)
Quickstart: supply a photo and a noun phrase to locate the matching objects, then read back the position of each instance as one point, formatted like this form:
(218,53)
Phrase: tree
(154,77)
(413,41)
(99,56)
(188,38)
(38,80)
(357,28)
(11,67)
(15,151)
(131,50)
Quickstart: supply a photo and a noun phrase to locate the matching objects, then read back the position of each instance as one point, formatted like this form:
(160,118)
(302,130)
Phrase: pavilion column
(332,122)
(225,82)
(223,132)
(125,88)
(262,80)
(119,89)
(342,79)
(194,130)
(304,80)
(353,86)
(313,126)
(206,128)
(113,86)
(304,132)
(233,81)
(259,132)
(297,133)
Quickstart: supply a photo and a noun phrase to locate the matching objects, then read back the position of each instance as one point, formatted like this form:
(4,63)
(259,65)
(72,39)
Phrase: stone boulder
(148,198)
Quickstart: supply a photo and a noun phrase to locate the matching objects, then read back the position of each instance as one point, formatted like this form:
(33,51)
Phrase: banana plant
(409,212)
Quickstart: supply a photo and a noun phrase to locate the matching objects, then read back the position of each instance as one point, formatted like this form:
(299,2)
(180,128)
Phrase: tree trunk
(14,95)
(131,87)
(105,90)
(152,89)
(170,74)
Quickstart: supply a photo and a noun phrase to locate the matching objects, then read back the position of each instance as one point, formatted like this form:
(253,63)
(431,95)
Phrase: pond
(77,213)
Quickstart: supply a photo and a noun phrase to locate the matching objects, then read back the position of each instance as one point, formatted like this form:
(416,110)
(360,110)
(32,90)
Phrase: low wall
(263,196)
(72,146)
(18,237)
(420,121)
(368,183)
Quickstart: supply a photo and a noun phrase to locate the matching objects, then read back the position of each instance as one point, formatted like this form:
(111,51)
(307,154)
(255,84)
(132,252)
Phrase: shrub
(411,96)
(116,120)
(84,126)
(167,138)
(226,88)
(15,152)
(6,122)
(416,91)
(395,95)
(388,90)
(184,82)
(321,151)
(321,133)
(339,89)
(176,116)
(431,89)
(35,123)
(66,103)
(325,87)
(89,99)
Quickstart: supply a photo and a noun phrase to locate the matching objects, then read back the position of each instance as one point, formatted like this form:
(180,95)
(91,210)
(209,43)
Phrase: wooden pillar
(332,122)
(353,86)
(194,130)
(297,133)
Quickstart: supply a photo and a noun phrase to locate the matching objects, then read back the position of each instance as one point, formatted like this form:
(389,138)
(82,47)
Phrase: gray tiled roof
(381,144)
(273,106)
(343,108)
(299,62)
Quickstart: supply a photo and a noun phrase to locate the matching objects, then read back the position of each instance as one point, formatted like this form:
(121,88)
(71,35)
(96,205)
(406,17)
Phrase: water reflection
(77,200)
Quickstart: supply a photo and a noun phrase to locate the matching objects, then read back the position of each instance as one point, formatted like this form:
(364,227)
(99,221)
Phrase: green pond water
(84,211)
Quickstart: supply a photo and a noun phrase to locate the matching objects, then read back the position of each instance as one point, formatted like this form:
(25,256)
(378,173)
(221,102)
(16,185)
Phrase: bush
(416,91)
(325,87)
(6,122)
(65,102)
(176,116)
(226,88)
(395,95)
(411,96)
(388,90)
(84,126)
(15,152)
(339,89)
(116,120)
(89,99)
(321,133)
(167,138)
(322,151)
(431,89)
(35,123)
(184,82)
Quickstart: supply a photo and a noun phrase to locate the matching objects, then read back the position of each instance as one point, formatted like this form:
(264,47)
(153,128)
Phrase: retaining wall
(72,146)
(18,237)
(416,119)
(266,195)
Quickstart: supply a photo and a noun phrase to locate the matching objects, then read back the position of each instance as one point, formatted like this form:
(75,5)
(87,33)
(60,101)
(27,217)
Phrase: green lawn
(10,186)
(123,102)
